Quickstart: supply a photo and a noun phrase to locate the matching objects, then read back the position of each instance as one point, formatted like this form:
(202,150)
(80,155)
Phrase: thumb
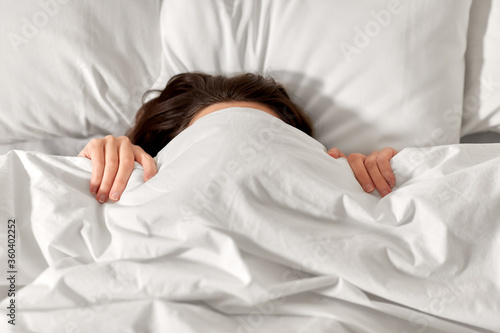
(147,162)
(336,153)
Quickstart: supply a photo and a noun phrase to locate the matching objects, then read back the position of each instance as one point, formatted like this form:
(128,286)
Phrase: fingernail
(384,193)
(102,198)
(114,196)
(369,188)
(93,190)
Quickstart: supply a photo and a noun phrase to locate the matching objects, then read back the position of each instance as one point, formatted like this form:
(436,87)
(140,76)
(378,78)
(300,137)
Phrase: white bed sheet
(250,226)
(66,146)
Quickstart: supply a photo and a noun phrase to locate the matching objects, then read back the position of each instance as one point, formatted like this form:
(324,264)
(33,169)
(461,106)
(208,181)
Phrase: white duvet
(249,226)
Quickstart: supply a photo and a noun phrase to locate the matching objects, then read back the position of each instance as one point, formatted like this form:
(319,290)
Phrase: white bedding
(75,69)
(370,73)
(250,226)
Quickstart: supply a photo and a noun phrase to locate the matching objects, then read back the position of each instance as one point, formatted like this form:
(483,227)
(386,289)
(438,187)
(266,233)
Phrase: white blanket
(249,226)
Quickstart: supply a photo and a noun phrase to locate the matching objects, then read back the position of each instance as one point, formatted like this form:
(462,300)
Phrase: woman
(190,96)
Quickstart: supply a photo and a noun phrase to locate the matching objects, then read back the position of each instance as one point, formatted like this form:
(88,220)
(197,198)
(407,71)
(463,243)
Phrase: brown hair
(162,118)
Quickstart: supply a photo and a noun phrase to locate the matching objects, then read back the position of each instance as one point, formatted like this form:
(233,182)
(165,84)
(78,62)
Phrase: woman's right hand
(113,161)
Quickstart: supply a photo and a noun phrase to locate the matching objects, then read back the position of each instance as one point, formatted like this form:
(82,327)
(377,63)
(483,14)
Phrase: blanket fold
(249,226)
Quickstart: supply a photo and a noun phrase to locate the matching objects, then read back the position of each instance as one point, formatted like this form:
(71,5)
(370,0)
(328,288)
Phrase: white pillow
(371,73)
(75,68)
(482,80)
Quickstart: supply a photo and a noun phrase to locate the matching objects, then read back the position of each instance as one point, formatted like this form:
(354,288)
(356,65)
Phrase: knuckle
(95,142)
(380,158)
(112,163)
(96,175)
(119,183)
(112,158)
(105,185)
(127,162)
(110,138)
(370,162)
(94,183)
(124,139)
(97,165)
(96,179)
(112,166)
(127,158)
(390,151)
(353,157)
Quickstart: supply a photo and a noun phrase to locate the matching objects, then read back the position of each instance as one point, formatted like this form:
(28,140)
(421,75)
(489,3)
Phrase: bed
(249,226)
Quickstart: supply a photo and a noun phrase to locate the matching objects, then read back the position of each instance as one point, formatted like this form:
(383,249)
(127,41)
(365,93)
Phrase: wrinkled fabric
(249,226)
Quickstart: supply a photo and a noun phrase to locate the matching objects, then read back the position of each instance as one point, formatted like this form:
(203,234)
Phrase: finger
(110,170)
(147,162)
(96,155)
(356,161)
(83,153)
(372,167)
(336,153)
(87,149)
(125,168)
(384,165)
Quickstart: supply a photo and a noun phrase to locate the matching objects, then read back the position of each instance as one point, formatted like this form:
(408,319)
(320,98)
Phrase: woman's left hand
(372,171)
